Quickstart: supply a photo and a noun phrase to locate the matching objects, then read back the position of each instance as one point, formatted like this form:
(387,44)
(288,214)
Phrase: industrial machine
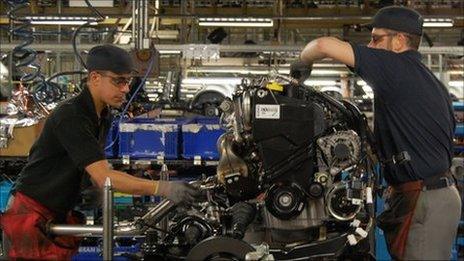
(296,171)
(295,180)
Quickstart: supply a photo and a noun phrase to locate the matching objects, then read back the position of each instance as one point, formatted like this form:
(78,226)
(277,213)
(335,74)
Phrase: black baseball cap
(110,58)
(398,18)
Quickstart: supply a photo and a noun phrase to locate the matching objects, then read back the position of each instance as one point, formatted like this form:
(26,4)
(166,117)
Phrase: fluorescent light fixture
(457,84)
(61,20)
(456,72)
(236,22)
(218,81)
(94,3)
(165,34)
(438,22)
(320,82)
(169,51)
(232,70)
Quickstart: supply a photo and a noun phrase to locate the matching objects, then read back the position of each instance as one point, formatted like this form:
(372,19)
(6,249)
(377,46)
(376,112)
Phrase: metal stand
(107,220)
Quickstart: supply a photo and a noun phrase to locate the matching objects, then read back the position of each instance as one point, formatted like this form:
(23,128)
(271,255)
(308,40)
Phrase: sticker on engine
(267,111)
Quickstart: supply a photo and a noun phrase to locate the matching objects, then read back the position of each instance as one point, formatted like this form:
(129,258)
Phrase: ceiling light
(236,22)
(232,81)
(438,22)
(94,3)
(61,20)
(320,82)
(169,51)
(456,84)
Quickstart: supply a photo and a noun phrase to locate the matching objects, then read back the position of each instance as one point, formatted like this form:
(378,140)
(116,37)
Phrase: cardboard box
(23,138)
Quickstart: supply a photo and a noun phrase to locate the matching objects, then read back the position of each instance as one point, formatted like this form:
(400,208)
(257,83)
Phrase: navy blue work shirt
(413,112)
(73,137)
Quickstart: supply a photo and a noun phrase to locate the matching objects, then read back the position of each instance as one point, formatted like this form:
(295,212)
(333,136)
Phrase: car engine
(296,171)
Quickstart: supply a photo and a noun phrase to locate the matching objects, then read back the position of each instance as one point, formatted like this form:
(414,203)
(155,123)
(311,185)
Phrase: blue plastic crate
(5,191)
(458,106)
(88,253)
(459,131)
(200,138)
(112,141)
(146,138)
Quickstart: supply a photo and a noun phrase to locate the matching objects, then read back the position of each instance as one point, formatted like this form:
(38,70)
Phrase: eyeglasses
(118,81)
(376,38)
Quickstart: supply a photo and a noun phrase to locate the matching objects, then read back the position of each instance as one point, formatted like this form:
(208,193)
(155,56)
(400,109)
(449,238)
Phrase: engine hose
(22,54)
(87,24)
(74,45)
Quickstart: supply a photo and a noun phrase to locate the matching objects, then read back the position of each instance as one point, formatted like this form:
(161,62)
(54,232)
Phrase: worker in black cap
(414,128)
(69,152)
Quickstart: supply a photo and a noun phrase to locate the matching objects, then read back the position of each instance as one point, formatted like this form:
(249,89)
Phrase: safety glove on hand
(300,71)
(177,191)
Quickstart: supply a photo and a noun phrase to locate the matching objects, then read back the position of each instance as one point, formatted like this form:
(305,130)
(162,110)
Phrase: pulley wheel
(220,248)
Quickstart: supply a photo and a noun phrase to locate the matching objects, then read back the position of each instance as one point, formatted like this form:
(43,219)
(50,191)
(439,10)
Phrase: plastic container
(120,252)
(200,138)
(459,131)
(112,141)
(5,191)
(458,106)
(146,138)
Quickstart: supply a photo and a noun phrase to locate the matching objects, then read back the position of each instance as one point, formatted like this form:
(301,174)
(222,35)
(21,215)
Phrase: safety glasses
(375,38)
(118,81)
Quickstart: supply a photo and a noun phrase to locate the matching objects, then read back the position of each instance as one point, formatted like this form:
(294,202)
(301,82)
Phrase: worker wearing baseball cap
(69,152)
(414,127)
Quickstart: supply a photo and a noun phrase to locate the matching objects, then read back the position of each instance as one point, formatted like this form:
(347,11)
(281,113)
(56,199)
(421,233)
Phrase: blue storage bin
(200,138)
(459,131)
(112,141)
(146,138)
(88,253)
(458,106)
(5,191)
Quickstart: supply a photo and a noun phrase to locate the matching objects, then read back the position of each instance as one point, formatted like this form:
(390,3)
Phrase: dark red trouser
(24,224)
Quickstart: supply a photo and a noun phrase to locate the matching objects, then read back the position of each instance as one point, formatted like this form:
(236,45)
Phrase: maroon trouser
(24,226)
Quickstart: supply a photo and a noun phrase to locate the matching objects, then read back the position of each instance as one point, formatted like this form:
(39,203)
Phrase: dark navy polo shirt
(72,138)
(413,112)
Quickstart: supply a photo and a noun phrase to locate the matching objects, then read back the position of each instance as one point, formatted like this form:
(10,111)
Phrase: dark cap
(398,18)
(109,58)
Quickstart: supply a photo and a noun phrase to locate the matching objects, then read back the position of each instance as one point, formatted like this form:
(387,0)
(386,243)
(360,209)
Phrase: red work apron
(24,226)
(396,220)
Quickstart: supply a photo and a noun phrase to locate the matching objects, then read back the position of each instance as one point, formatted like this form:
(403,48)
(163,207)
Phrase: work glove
(178,192)
(300,71)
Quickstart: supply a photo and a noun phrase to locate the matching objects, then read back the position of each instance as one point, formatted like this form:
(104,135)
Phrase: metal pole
(91,231)
(429,61)
(134,24)
(440,67)
(164,175)
(151,218)
(157,213)
(107,220)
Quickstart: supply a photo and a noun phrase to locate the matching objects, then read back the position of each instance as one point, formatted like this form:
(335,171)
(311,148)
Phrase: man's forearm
(328,47)
(126,183)
(312,52)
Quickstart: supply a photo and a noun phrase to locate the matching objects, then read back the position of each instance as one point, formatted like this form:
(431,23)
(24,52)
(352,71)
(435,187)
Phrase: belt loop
(448,182)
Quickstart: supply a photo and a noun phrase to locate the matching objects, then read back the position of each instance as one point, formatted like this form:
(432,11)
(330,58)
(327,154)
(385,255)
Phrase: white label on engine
(267,111)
